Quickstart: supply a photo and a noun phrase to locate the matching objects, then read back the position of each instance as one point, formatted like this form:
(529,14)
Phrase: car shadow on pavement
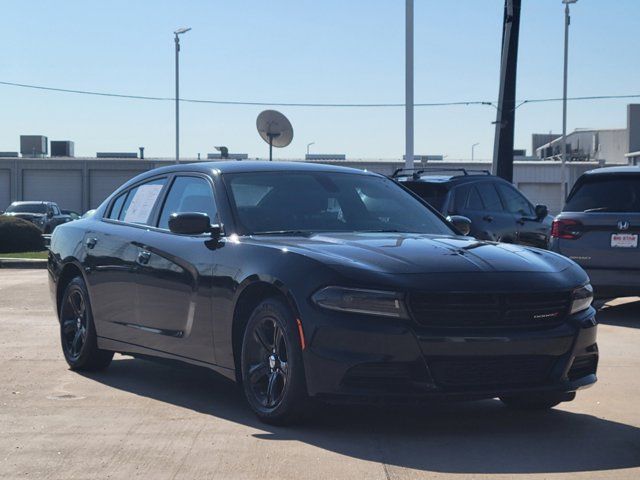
(474,437)
(620,314)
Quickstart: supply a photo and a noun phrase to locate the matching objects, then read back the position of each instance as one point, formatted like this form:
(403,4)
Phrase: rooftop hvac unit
(117,154)
(230,156)
(325,156)
(34,145)
(62,148)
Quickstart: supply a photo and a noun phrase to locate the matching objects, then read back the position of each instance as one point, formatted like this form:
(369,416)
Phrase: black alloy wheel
(272,370)
(269,375)
(77,330)
(74,323)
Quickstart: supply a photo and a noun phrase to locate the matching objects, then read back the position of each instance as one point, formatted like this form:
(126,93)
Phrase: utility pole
(505,118)
(180,31)
(408,103)
(563,153)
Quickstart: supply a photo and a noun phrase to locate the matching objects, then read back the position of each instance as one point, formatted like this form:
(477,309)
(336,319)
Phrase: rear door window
(490,197)
(474,202)
(140,201)
(466,197)
(606,194)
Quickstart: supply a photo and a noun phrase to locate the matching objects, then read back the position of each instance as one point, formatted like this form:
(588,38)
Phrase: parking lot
(140,419)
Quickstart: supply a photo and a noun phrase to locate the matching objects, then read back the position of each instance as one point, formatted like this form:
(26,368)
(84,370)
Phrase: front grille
(491,371)
(454,310)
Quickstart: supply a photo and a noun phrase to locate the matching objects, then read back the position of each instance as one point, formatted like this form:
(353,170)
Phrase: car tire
(273,377)
(78,332)
(545,401)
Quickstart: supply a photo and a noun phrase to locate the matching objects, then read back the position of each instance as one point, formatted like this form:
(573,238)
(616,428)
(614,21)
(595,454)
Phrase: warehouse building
(81,184)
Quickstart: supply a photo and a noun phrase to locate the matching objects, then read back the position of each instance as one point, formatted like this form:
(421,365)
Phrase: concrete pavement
(143,420)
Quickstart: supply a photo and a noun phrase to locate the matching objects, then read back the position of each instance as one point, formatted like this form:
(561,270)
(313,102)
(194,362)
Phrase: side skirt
(138,350)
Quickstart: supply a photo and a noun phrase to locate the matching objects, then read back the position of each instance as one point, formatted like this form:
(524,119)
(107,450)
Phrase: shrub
(18,235)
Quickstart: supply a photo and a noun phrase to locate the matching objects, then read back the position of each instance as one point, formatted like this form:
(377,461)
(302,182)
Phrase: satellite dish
(275,129)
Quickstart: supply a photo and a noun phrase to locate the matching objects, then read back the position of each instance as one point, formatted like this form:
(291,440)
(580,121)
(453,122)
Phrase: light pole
(408,102)
(473,147)
(178,32)
(308,145)
(563,153)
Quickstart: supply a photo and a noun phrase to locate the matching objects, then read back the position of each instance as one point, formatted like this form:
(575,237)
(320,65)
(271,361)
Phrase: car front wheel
(272,369)
(77,330)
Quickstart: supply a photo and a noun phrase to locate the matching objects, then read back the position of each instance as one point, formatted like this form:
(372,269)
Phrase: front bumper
(359,358)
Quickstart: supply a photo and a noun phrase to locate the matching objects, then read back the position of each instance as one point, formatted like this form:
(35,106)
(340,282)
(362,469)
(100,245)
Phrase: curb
(22,263)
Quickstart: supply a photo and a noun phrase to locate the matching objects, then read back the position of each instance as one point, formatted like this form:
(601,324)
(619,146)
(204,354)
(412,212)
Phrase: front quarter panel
(243,263)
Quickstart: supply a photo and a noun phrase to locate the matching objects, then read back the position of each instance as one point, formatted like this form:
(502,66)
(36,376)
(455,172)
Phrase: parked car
(45,215)
(497,210)
(304,281)
(599,227)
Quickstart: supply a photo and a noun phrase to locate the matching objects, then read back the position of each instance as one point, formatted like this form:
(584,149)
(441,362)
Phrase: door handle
(488,218)
(143,257)
(91,242)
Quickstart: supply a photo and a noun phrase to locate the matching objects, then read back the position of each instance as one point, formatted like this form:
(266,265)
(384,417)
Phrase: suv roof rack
(416,172)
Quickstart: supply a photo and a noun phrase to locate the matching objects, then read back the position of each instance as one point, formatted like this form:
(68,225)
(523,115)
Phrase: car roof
(29,202)
(613,170)
(449,179)
(255,166)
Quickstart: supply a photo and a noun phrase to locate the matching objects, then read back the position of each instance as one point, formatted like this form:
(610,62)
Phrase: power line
(311,105)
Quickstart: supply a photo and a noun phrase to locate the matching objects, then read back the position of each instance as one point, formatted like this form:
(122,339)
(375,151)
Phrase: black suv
(44,215)
(497,210)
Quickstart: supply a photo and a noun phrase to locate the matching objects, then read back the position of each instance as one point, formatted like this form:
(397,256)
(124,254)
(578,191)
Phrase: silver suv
(599,229)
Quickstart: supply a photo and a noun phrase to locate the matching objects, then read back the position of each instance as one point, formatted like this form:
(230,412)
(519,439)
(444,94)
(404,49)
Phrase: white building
(609,146)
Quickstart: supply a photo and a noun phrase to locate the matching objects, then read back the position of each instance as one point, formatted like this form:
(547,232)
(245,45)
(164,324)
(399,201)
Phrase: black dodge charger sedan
(305,282)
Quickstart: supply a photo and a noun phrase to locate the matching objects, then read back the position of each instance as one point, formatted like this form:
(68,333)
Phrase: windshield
(307,202)
(614,194)
(27,208)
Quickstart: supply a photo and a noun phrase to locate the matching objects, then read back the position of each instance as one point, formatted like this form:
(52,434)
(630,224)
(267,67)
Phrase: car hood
(398,253)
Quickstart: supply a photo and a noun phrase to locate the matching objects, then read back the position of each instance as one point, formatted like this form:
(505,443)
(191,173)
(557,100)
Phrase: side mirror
(49,214)
(462,224)
(541,212)
(192,223)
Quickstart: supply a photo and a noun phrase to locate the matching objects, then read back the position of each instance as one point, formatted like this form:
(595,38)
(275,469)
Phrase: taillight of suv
(566,228)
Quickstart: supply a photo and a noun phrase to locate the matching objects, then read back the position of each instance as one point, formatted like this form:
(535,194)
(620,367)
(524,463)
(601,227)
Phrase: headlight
(368,302)
(581,298)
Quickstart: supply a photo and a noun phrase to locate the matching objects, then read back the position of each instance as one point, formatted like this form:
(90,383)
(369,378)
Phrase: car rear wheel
(272,369)
(544,401)
(77,330)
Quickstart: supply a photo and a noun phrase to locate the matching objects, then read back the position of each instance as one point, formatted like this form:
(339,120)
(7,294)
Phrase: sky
(307,51)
